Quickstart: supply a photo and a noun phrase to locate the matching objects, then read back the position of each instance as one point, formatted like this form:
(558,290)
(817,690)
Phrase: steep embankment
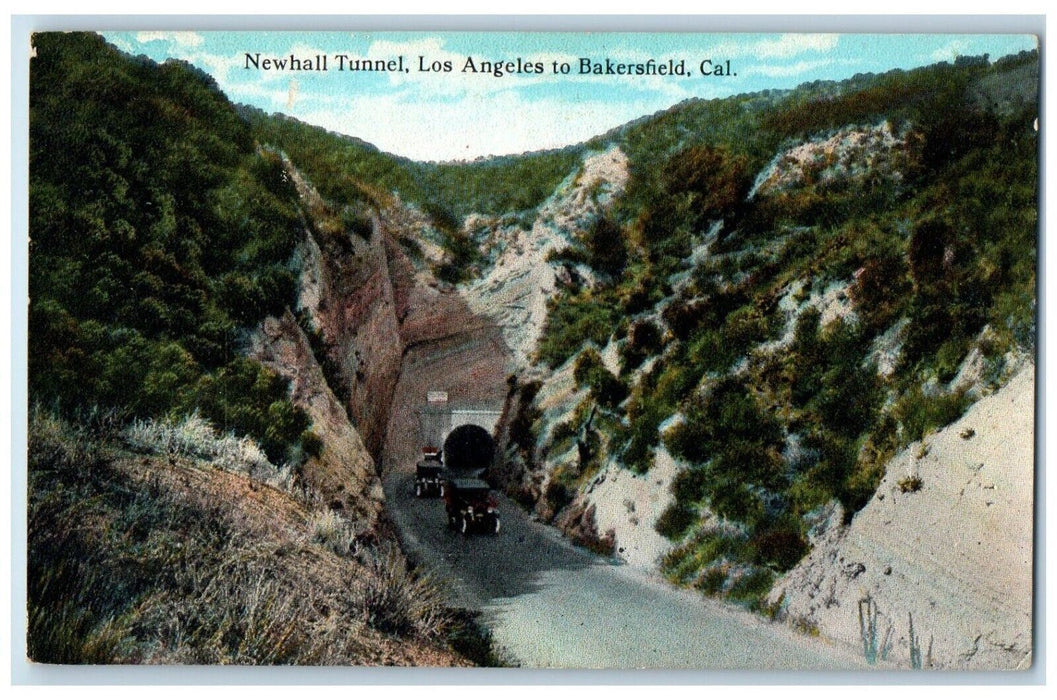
(343,471)
(386,329)
(515,290)
(952,550)
(349,299)
(525,273)
(164,545)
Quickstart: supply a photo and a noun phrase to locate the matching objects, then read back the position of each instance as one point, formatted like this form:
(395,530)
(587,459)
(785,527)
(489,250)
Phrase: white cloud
(785,46)
(506,123)
(277,95)
(793,44)
(216,65)
(179,38)
(124,45)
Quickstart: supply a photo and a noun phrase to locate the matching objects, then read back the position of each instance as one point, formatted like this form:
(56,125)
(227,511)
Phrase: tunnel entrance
(468,448)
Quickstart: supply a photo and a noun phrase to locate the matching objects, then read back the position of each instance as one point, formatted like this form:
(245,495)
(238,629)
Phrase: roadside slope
(955,554)
(550,604)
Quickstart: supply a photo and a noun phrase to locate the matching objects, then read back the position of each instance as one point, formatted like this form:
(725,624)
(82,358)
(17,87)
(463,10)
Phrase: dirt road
(548,603)
(551,605)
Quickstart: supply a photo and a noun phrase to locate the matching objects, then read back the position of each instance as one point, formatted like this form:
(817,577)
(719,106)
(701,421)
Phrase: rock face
(515,290)
(848,155)
(514,293)
(627,505)
(382,335)
(944,540)
(343,474)
(350,296)
(447,347)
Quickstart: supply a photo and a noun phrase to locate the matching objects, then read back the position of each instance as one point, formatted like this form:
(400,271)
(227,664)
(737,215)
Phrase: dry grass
(195,438)
(336,533)
(910,484)
(148,560)
(394,600)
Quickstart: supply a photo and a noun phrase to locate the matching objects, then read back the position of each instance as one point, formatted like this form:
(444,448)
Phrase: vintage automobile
(471,506)
(429,477)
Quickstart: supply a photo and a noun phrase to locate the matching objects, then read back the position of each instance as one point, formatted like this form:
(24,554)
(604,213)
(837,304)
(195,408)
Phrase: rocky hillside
(945,545)
(715,334)
(743,336)
(236,341)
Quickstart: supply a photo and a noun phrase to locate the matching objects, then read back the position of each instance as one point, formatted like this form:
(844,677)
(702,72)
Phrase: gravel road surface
(553,605)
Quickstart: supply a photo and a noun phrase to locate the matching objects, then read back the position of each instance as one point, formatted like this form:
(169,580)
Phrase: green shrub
(249,399)
(676,520)
(733,500)
(690,485)
(949,358)
(712,580)
(462,257)
(919,413)
(713,179)
(752,587)
(703,550)
(779,546)
(588,362)
(572,321)
(880,290)
(910,484)
(607,251)
(643,340)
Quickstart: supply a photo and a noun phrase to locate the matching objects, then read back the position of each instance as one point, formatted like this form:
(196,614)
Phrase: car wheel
(495,525)
(464,524)
(441,490)
(451,521)
(418,490)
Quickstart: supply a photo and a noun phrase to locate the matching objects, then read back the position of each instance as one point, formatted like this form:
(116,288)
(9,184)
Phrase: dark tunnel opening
(468,448)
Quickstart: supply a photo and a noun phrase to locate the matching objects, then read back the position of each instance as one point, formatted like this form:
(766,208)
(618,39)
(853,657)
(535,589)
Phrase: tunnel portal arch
(468,447)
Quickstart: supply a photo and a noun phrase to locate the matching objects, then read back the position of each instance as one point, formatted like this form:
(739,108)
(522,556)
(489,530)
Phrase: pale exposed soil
(955,554)
(515,290)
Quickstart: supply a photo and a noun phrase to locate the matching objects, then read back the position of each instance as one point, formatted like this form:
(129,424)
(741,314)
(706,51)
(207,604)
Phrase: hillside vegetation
(173,516)
(791,287)
(158,232)
(162,543)
(801,284)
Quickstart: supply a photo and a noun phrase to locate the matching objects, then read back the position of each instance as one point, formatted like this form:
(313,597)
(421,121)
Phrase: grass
(335,532)
(195,438)
(873,649)
(394,600)
(134,567)
(919,413)
(676,520)
(910,484)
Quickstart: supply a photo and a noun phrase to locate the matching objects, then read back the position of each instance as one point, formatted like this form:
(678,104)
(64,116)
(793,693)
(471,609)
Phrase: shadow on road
(481,567)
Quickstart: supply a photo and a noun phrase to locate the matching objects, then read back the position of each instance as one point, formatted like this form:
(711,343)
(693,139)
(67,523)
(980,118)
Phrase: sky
(465,113)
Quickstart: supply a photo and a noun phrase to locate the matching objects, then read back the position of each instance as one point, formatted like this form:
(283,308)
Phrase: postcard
(588,350)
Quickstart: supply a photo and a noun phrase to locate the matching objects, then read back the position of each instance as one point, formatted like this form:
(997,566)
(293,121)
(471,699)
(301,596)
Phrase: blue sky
(463,115)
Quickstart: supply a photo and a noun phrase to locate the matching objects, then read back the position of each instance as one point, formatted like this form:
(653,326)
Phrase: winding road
(548,603)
